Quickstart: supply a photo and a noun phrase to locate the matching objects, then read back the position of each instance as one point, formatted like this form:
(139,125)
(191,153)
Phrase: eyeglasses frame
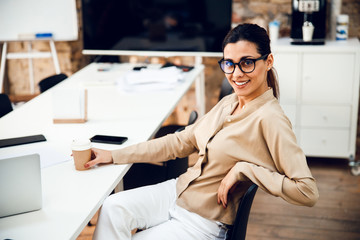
(238,64)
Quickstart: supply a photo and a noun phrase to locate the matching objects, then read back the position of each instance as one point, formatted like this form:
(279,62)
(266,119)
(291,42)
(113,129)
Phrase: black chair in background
(5,104)
(238,231)
(226,89)
(175,127)
(142,174)
(51,81)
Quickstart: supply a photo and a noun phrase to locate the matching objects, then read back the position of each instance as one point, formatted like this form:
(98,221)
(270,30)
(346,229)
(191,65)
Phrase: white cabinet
(319,91)
(328,78)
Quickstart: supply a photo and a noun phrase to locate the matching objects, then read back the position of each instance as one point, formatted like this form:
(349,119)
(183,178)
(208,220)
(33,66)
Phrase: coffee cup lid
(80,144)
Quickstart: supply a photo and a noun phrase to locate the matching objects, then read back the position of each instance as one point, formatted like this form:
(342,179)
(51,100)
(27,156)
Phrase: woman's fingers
(226,184)
(99,156)
(91,163)
(222,195)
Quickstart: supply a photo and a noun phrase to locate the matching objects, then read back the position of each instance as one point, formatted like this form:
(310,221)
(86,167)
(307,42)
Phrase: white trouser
(153,209)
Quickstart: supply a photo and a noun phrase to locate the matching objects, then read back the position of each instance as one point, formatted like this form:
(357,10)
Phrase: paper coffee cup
(81,150)
(307,30)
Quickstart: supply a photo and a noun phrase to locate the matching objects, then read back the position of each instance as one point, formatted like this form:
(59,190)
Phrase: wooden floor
(335,216)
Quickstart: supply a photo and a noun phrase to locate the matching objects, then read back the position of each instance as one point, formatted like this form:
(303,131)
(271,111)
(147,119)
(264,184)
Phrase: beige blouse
(258,143)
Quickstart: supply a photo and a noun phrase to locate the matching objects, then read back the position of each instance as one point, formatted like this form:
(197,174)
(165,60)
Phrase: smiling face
(247,86)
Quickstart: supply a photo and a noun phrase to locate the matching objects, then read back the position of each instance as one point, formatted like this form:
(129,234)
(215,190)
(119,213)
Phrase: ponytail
(273,83)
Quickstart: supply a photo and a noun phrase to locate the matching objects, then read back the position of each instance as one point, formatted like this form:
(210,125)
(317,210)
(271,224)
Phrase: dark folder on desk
(8,142)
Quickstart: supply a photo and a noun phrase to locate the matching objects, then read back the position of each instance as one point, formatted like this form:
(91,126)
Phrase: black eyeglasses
(246,65)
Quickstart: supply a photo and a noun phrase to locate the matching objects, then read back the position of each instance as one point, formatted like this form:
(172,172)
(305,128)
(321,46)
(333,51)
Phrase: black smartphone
(108,139)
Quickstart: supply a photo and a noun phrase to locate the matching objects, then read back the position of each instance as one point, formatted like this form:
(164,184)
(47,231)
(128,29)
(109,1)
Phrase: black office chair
(175,127)
(5,104)
(226,88)
(238,231)
(51,81)
(142,174)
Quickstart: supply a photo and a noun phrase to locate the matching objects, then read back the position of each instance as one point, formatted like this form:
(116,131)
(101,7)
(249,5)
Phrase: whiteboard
(23,19)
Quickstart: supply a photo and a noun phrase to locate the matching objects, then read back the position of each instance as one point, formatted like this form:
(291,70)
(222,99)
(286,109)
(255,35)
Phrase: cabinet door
(325,142)
(286,65)
(325,116)
(328,78)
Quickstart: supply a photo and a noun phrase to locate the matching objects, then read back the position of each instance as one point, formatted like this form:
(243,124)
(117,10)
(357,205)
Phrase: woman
(245,138)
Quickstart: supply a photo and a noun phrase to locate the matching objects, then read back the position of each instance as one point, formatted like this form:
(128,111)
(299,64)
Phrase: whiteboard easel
(24,20)
(28,55)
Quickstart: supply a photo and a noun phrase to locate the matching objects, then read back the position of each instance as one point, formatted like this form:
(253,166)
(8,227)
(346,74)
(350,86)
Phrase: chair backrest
(242,215)
(226,88)
(193,117)
(51,81)
(5,104)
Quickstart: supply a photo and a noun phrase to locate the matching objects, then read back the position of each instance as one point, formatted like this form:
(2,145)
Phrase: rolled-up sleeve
(290,177)
(299,191)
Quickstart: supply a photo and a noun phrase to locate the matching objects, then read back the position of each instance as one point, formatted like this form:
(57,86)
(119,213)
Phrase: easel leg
(2,66)
(54,56)
(31,70)
(29,55)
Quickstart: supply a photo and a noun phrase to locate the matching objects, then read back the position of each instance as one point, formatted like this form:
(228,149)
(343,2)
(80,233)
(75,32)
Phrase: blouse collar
(252,105)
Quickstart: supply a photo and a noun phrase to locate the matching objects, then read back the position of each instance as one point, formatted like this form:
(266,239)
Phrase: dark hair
(257,35)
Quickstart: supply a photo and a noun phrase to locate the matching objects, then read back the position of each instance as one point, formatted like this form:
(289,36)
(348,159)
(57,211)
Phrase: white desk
(70,197)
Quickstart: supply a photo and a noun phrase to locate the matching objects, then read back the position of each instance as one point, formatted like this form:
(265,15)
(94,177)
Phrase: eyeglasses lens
(247,65)
(227,66)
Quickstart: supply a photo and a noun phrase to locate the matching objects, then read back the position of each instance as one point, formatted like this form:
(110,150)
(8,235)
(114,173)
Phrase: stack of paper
(152,79)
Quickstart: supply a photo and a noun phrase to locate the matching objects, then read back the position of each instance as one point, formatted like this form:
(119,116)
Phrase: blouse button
(228,120)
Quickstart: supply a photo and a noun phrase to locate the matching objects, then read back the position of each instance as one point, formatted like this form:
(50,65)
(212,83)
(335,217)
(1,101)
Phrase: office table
(70,197)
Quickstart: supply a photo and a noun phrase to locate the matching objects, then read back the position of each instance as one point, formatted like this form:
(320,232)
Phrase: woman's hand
(228,184)
(99,156)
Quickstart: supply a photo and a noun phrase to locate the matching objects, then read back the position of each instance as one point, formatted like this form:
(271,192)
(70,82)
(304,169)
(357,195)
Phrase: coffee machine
(308,14)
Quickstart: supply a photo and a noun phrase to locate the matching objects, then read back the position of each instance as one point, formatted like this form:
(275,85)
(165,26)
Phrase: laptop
(20,185)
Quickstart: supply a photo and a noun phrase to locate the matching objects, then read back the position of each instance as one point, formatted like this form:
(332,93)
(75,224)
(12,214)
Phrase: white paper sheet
(148,80)
(49,155)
